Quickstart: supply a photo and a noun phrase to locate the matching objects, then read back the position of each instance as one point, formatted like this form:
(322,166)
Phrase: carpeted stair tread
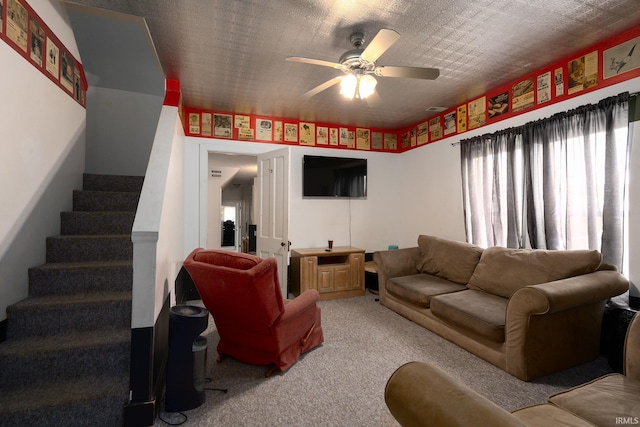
(38,316)
(96,223)
(94,400)
(111,201)
(64,356)
(74,299)
(67,341)
(89,248)
(64,278)
(124,183)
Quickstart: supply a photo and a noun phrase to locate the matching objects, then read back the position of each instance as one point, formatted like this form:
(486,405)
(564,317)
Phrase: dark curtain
(559,182)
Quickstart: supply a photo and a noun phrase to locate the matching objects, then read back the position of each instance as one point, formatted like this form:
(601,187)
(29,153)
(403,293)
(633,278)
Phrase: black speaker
(186,365)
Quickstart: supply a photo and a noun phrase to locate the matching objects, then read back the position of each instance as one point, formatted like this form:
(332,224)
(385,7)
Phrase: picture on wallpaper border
(53,55)
(583,72)
(67,65)
(264,129)
(621,58)
(37,40)
(222,125)
(17,24)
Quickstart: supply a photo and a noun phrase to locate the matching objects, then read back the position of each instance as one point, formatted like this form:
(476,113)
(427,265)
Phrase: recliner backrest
(238,289)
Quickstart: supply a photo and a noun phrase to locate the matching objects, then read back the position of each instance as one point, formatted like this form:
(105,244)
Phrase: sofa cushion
(546,414)
(502,271)
(602,401)
(477,311)
(418,289)
(449,259)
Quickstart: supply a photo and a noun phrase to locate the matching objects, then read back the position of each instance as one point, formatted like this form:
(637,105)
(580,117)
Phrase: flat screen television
(334,177)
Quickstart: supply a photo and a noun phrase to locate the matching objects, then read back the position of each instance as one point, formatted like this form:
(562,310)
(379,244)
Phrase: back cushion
(502,271)
(449,259)
(235,260)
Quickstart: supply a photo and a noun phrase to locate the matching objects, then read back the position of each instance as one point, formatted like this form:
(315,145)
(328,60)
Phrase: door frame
(218,146)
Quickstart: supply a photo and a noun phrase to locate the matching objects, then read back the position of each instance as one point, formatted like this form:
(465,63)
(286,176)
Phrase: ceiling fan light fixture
(348,86)
(358,86)
(367,86)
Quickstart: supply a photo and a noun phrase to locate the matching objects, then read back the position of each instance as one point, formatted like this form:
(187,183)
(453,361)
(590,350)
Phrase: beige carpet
(341,383)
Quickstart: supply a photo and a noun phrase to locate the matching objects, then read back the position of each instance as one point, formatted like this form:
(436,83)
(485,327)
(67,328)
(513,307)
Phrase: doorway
(230,200)
(231,227)
(211,197)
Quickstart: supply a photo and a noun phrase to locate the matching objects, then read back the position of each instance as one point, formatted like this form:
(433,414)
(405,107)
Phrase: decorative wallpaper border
(23,30)
(605,64)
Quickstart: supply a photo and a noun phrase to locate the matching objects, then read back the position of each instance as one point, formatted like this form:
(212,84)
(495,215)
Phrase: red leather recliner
(255,323)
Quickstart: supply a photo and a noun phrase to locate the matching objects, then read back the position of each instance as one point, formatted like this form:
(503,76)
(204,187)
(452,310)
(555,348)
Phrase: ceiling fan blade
(374,100)
(320,88)
(380,43)
(410,72)
(315,62)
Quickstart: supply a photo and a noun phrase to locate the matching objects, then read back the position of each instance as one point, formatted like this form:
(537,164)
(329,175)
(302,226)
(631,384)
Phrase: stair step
(64,357)
(96,223)
(93,400)
(124,183)
(48,315)
(116,201)
(81,277)
(89,248)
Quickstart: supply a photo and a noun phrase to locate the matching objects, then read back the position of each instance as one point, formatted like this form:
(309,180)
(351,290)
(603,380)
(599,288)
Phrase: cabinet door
(342,277)
(357,271)
(325,279)
(308,273)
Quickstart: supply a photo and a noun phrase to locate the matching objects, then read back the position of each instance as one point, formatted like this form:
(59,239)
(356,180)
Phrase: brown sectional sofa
(420,394)
(529,312)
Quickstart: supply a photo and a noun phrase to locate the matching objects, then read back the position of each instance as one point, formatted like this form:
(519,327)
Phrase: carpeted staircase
(66,358)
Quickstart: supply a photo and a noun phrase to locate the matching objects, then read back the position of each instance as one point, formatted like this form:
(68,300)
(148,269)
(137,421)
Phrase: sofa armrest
(567,293)
(397,263)
(419,394)
(556,325)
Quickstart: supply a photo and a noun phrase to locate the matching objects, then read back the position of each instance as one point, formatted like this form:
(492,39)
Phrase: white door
(273,210)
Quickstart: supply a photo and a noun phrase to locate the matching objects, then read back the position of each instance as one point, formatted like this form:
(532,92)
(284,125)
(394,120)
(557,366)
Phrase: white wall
(158,234)
(43,149)
(431,193)
(372,224)
(120,129)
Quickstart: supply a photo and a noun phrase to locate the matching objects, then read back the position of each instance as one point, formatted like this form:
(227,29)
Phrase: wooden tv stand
(335,273)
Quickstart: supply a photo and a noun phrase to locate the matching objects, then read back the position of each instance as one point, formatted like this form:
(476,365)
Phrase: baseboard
(147,375)
(3,330)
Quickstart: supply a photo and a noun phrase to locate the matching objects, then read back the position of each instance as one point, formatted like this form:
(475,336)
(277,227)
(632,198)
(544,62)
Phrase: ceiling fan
(359,67)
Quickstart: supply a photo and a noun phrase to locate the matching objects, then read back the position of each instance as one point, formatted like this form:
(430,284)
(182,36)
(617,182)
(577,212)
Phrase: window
(557,183)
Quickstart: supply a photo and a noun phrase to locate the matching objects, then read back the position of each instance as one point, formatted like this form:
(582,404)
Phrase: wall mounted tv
(334,177)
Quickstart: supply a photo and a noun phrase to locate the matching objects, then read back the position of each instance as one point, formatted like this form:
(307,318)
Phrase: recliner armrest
(419,394)
(302,302)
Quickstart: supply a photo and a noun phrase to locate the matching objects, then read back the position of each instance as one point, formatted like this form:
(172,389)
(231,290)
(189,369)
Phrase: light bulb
(348,86)
(367,85)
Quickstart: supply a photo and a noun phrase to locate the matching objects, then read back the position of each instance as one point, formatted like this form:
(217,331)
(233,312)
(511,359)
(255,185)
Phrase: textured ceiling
(229,56)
